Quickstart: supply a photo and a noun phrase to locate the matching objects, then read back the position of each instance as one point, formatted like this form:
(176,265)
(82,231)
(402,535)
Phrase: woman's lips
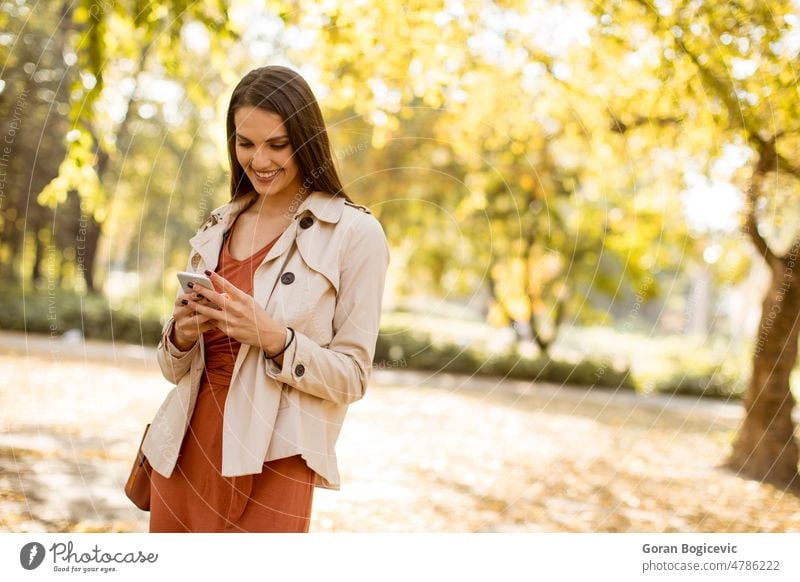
(266,176)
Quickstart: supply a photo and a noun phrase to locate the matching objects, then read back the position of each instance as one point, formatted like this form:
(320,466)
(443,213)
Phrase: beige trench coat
(338,257)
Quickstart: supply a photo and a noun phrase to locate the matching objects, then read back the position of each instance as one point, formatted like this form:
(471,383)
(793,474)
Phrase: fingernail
(185,302)
(190,284)
(208,272)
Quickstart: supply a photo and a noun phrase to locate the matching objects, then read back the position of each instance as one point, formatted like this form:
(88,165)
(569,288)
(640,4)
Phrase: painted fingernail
(185,302)
(208,272)
(190,284)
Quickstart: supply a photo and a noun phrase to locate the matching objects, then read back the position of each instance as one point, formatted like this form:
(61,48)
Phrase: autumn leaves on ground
(421,452)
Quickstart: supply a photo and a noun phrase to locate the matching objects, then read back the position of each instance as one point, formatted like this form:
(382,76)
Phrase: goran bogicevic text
(696,549)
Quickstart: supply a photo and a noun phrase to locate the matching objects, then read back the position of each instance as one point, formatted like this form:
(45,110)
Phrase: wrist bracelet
(284,347)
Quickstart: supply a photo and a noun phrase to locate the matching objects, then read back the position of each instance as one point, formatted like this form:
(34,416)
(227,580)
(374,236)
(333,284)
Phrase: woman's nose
(261,159)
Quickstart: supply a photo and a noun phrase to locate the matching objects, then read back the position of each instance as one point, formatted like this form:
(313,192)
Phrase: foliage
(55,311)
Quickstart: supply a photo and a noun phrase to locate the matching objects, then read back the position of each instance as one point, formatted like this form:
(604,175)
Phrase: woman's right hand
(189,325)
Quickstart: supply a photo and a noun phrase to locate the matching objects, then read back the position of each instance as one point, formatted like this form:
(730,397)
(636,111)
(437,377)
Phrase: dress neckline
(227,251)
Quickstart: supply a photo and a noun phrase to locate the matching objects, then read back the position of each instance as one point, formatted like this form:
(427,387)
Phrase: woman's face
(264,151)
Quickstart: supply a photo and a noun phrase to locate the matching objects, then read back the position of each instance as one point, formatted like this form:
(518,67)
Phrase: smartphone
(197,278)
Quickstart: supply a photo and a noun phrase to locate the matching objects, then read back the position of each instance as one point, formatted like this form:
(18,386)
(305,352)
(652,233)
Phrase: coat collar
(208,240)
(325,207)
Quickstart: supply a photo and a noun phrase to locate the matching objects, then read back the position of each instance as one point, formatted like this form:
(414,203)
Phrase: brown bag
(138,486)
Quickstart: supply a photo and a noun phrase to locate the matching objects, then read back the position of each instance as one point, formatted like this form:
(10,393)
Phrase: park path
(421,452)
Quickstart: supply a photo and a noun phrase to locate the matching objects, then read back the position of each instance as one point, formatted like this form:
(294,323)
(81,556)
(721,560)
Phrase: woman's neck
(278,205)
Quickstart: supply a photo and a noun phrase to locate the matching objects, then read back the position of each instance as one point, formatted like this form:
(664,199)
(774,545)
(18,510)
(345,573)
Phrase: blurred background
(590,321)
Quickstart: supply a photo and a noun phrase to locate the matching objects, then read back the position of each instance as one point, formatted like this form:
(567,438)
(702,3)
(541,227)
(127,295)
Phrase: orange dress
(196,497)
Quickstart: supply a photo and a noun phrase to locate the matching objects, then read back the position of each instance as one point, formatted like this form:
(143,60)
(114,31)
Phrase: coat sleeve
(340,372)
(173,362)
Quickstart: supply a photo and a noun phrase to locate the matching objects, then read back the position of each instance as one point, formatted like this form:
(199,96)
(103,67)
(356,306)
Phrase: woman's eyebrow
(276,138)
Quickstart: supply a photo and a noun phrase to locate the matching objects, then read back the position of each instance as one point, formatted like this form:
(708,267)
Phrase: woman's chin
(261,191)
(265,189)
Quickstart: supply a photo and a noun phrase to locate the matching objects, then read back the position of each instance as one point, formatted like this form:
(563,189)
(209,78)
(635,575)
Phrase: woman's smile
(266,176)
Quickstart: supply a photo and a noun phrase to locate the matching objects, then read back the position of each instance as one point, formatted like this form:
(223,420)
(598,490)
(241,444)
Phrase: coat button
(299,370)
(306,221)
(287,278)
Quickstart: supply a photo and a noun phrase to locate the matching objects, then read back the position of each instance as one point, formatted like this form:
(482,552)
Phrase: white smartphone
(186,277)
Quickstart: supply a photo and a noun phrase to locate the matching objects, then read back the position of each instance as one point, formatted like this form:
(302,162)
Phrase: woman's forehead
(258,124)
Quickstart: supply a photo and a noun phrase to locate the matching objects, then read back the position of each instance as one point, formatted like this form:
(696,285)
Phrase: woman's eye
(243,145)
(279,146)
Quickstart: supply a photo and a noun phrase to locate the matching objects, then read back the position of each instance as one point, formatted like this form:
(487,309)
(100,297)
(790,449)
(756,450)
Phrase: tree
(513,142)
(724,72)
(33,106)
(111,35)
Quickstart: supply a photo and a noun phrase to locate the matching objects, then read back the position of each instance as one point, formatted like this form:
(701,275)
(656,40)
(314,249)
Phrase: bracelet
(284,347)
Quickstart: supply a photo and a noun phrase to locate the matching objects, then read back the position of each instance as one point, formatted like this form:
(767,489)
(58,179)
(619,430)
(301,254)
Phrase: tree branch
(792,253)
(723,90)
(775,161)
(621,127)
(767,158)
(751,228)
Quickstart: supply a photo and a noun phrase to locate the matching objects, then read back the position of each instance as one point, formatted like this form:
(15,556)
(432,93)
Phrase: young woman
(266,364)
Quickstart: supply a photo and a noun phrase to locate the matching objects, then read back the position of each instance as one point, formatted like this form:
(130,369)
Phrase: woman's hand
(239,316)
(189,325)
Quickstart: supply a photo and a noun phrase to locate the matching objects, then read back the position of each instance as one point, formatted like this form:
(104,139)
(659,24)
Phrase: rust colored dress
(196,497)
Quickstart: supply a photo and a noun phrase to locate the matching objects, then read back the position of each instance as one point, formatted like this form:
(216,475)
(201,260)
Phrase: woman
(266,364)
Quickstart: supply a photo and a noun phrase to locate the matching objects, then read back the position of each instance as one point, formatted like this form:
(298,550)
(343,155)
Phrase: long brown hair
(283,91)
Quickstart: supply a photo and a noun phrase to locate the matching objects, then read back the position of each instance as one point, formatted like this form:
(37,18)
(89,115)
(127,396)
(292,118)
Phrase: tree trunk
(88,254)
(10,239)
(545,343)
(765,447)
(36,270)
(502,306)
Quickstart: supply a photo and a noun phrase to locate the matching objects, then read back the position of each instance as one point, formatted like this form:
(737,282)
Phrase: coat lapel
(266,275)
(208,242)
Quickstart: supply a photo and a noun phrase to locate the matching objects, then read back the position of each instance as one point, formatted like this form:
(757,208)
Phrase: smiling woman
(268,131)
(270,166)
(266,363)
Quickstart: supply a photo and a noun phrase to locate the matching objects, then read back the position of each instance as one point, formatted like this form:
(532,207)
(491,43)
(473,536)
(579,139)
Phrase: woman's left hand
(239,316)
